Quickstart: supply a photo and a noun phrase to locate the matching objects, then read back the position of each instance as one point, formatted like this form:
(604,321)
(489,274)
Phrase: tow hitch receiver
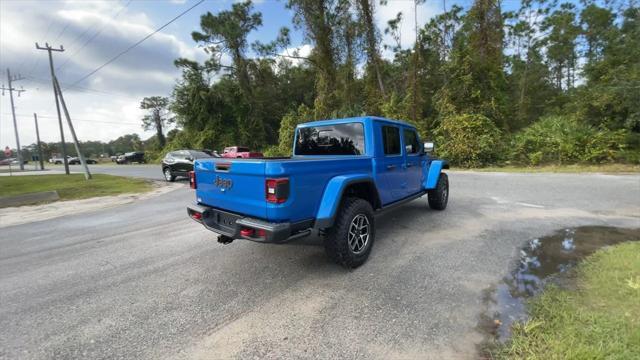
(223,239)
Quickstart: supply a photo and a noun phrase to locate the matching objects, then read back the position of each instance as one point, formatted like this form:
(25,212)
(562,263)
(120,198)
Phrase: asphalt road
(144,282)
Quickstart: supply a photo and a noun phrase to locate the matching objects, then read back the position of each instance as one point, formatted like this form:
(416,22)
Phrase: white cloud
(301,51)
(109,108)
(384,13)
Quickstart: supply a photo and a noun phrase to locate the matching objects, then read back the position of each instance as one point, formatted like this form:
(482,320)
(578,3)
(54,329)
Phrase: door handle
(391,167)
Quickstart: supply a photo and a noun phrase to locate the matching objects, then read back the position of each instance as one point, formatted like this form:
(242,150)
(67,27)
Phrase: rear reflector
(262,233)
(196,215)
(277,190)
(192,180)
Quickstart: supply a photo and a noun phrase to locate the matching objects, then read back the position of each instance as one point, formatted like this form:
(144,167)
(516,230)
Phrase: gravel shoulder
(10,216)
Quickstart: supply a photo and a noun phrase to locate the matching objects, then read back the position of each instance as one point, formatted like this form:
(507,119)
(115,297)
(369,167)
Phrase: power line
(92,37)
(83,89)
(136,44)
(62,32)
(83,120)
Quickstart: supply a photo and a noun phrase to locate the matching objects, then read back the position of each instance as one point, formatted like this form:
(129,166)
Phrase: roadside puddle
(542,261)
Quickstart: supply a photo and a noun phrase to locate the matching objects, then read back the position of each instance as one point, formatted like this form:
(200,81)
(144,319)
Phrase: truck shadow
(393,227)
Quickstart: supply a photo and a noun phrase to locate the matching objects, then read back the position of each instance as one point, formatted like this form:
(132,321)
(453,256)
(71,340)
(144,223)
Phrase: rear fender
(333,196)
(433,173)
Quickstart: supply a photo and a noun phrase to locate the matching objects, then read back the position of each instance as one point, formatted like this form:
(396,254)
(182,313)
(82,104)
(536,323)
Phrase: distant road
(143,281)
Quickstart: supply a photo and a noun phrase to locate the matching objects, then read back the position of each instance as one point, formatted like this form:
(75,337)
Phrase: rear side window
(411,141)
(199,155)
(341,139)
(391,140)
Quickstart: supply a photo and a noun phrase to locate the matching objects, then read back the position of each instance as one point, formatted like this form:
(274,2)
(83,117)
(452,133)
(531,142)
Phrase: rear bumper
(232,225)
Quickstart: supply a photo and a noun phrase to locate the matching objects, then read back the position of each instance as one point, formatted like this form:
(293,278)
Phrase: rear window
(340,139)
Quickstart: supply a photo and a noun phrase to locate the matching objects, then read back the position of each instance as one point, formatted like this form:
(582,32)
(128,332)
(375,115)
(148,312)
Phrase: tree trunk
(159,133)
(366,10)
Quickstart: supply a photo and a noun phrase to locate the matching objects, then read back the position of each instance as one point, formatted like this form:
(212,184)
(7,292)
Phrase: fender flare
(332,197)
(433,173)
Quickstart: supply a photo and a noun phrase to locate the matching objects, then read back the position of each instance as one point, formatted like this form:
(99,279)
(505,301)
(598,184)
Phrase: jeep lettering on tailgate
(223,183)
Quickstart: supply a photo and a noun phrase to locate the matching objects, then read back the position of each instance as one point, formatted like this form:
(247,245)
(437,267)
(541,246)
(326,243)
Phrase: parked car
(131,157)
(240,152)
(180,162)
(114,158)
(341,173)
(16,162)
(76,161)
(59,159)
(12,161)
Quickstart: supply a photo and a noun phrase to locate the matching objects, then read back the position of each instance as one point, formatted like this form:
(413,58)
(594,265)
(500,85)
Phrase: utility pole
(87,174)
(11,89)
(55,94)
(35,117)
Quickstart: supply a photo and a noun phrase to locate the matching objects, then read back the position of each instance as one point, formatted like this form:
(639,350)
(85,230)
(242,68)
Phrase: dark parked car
(180,162)
(76,161)
(132,157)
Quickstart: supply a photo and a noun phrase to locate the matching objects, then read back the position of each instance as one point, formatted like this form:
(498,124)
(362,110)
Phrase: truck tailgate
(236,185)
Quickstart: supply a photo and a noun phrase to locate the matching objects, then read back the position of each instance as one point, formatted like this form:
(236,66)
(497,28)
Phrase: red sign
(7,151)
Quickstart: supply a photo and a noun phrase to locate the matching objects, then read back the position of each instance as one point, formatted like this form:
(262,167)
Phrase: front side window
(411,141)
(391,140)
(340,139)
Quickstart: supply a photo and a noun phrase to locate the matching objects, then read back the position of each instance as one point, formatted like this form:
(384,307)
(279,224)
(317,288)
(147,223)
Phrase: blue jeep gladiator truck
(341,173)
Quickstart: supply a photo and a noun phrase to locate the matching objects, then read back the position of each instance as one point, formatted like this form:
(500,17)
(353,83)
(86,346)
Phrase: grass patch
(605,168)
(74,186)
(599,320)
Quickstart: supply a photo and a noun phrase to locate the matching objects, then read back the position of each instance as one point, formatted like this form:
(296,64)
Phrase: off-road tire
(336,241)
(439,197)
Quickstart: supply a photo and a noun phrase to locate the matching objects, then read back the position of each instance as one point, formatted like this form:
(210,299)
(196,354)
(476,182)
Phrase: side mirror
(429,147)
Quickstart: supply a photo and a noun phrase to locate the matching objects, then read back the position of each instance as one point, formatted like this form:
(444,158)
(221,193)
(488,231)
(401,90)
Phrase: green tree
(561,44)
(597,28)
(477,82)
(611,95)
(226,34)
(158,116)
(317,18)
(374,83)
(531,92)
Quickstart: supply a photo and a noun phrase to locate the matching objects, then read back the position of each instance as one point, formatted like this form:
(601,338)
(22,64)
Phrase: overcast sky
(105,105)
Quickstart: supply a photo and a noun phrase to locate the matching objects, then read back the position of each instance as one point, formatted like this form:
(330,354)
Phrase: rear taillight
(192,180)
(277,190)
(247,232)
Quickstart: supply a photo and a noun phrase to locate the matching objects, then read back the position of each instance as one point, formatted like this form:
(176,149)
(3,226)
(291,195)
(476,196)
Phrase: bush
(563,140)
(274,151)
(469,140)
(154,156)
